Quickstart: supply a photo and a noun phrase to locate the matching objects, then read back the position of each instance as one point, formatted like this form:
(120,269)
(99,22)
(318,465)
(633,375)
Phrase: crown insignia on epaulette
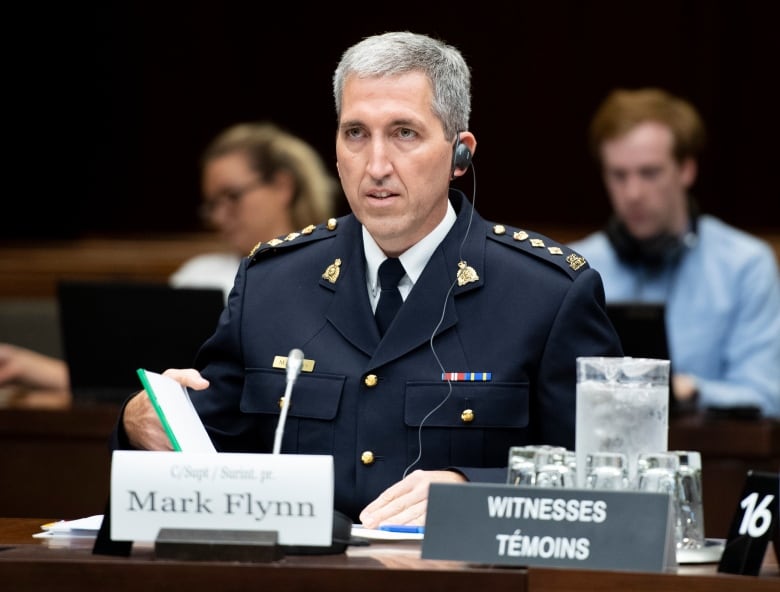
(575,261)
(520,235)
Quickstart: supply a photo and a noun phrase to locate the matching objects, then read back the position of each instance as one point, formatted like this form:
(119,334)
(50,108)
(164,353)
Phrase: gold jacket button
(371,380)
(467,416)
(281,402)
(367,458)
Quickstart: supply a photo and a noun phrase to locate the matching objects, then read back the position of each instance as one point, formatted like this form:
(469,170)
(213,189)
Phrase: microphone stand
(294,363)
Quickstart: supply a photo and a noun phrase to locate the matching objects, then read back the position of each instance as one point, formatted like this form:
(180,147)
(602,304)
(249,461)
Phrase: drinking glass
(657,472)
(690,507)
(521,469)
(606,470)
(552,468)
(622,406)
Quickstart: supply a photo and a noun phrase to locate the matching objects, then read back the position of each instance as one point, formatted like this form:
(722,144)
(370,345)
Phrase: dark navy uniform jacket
(534,308)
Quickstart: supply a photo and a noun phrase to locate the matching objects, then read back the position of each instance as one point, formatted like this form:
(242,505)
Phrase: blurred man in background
(719,284)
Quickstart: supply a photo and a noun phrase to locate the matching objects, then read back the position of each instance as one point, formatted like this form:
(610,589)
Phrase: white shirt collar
(414,259)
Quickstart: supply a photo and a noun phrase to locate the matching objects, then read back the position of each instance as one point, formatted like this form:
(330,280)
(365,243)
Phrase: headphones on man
(652,252)
(461,156)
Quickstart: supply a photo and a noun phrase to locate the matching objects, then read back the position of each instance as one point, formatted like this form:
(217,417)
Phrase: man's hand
(406,501)
(140,420)
(684,387)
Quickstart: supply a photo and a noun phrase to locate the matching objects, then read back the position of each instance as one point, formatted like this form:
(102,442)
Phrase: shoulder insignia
(310,234)
(255,248)
(541,246)
(575,261)
(520,235)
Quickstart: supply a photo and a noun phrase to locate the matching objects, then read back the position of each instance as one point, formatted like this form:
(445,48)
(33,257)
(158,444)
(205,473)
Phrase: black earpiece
(461,155)
(651,252)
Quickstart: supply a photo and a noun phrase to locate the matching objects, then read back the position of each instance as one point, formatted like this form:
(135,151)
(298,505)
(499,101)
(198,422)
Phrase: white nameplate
(291,494)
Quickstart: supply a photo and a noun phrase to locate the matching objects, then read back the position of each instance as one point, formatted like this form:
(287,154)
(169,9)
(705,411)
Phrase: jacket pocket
(314,396)
(470,405)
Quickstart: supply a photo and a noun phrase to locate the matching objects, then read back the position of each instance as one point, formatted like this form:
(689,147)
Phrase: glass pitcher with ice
(622,406)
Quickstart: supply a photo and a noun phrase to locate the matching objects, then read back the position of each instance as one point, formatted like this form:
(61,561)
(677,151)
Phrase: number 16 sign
(754,524)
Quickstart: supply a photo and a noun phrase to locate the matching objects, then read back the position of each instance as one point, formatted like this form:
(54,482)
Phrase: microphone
(294,363)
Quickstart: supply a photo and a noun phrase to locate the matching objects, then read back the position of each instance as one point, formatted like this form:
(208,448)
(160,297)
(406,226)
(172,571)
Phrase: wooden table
(56,462)
(729,449)
(28,564)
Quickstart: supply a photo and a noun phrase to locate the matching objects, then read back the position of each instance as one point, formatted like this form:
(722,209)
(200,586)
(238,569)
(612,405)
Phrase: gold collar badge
(332,272)
(466,274)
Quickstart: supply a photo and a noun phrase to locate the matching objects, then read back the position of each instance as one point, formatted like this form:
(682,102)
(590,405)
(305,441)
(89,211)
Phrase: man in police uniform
(480,356)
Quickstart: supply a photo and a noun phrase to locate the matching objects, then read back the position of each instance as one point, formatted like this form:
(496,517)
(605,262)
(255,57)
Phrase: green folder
(158,408)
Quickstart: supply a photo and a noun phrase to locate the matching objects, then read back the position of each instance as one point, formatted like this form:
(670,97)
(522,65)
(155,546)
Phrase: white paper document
(80,528)
(379,534)
(177,414)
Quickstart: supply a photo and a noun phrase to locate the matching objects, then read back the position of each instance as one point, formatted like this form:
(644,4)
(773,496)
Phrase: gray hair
(394,53)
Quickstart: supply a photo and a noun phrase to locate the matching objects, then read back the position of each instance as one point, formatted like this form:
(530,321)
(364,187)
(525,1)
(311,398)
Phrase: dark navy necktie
(390,273)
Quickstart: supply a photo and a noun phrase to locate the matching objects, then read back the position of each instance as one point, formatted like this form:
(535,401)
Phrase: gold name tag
(281,362)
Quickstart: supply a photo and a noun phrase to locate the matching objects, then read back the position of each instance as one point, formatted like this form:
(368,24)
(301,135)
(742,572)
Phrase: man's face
(647,186)
(393,158)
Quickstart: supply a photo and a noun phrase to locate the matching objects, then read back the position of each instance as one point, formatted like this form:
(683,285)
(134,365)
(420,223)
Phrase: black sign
(755,522)
(520,526)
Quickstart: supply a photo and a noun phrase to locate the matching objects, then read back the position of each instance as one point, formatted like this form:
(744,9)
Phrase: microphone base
(256,546)
(342,538)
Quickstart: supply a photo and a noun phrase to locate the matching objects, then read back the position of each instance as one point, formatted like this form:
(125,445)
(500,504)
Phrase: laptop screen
(110,329)
(641,327)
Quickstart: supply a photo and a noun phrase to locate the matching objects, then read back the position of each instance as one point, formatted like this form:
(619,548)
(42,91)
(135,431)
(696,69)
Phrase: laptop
(641,327)
(110,329)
